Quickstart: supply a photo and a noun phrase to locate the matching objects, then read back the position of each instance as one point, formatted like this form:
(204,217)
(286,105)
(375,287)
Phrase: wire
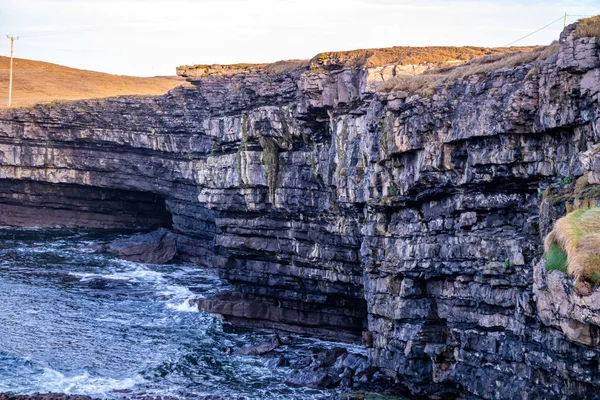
(542,28)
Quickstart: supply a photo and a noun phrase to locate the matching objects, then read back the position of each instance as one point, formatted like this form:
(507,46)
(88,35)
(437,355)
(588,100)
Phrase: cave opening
(59,205)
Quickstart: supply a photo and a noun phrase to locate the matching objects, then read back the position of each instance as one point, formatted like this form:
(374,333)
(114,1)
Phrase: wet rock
(158,247)
(309,378)
(97,249)
(259,349)
(330,368)
(327,358)
(278,362)
(367,339)
(334,209)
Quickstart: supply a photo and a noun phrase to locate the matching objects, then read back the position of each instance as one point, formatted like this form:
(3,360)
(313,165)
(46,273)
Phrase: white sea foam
(186,306)
(136,275)
(55,381)
(176,291)
(180,298)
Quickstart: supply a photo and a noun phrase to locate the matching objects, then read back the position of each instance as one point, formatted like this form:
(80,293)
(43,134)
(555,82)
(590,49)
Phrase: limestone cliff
(336,209)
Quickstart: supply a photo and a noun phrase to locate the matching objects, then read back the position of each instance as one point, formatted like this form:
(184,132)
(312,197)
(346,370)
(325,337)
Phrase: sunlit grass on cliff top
(39,82)
(425,83)
(588,27)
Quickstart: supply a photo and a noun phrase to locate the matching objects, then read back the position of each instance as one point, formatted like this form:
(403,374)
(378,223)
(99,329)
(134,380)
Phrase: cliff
(340,210)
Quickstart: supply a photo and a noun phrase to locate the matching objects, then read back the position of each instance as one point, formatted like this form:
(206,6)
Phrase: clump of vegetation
(282,67)
(591,267)
(567,180)
(556,258)
(271,163)
(426,83)
(588,27)
(423,85)
(387,140)
(573,246)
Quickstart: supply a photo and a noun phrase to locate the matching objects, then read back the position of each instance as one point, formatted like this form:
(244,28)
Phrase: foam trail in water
(136,275)
(186,306)
(181,298)
(55,381)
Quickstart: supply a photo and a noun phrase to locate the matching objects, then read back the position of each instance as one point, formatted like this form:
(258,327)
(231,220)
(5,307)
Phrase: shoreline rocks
(333,209)
(158,247)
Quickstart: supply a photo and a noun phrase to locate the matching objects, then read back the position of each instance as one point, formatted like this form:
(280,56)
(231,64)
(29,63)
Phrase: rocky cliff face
(341,211)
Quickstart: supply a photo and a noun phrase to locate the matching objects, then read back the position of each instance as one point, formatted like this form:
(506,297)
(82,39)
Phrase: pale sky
(152,37)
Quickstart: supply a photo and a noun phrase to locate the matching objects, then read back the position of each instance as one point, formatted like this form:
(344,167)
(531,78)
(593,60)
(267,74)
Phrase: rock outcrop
(158,247)
(336,209)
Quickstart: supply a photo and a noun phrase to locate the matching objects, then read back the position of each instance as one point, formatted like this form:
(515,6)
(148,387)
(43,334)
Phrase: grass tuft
(588,27)
(577,235)
(282,67)
(556,258)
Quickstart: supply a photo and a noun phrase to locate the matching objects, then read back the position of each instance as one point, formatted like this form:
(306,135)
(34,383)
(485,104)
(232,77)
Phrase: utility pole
(565,21)
(12,48)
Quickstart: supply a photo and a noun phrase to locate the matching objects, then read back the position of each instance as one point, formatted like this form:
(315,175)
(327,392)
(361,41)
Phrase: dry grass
(578,235)
(588,27)
(282,67)
(426,83)
(423,84)
(40,82)
(202,70)
(436,55)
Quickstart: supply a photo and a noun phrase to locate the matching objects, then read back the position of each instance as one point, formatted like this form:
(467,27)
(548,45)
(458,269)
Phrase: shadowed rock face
(32,203)
(334,209)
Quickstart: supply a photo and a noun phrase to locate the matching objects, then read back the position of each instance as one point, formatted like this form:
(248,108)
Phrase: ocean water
(72,321)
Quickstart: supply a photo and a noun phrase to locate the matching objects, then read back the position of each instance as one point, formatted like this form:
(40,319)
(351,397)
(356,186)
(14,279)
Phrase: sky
(153,37)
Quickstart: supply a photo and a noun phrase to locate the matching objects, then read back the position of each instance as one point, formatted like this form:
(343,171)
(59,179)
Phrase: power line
(564,18)
(532,33)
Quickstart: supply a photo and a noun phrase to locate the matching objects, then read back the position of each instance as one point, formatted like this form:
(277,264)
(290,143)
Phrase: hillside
(40,82)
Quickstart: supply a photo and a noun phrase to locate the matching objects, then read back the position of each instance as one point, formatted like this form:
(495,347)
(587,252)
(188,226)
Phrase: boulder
(319,379)
(157,247)
(278,362)
(259,349)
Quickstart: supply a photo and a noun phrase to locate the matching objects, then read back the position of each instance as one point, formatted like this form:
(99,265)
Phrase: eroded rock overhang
(336,209)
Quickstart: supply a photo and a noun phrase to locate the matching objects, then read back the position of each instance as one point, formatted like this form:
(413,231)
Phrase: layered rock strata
(335,209)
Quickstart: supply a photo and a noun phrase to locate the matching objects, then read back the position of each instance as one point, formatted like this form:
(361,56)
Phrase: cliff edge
(412,221)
